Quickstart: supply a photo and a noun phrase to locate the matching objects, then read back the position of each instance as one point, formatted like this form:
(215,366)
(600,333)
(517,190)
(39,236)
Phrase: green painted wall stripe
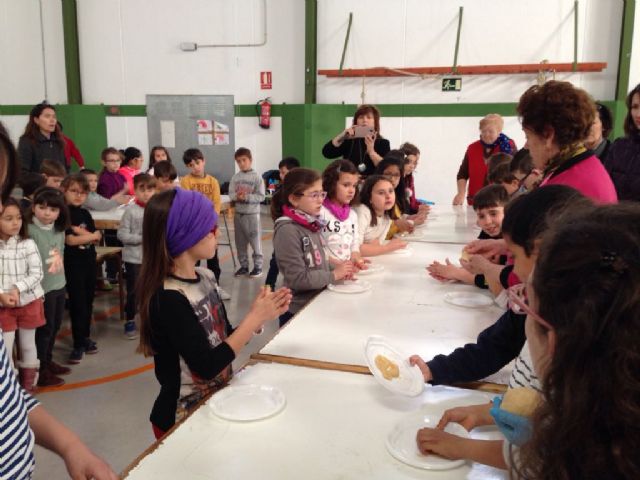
(71,51)
(626,42)
(310,50)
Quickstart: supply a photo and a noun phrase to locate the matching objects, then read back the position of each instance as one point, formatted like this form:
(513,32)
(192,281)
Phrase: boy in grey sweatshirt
(130,234)
(246,190)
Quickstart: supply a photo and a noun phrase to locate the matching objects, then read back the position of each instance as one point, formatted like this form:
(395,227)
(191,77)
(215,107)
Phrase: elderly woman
(556,118)
(364,152)
(623,159)
(42,139)
(474,165)
(598,140)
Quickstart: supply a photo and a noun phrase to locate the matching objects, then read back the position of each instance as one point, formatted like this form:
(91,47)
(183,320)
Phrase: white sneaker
(224,295)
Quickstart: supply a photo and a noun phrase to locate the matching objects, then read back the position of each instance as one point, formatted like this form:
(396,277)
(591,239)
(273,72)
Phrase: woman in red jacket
(474,165)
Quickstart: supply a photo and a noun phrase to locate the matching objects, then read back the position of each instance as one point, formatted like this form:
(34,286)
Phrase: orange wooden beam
(468,70)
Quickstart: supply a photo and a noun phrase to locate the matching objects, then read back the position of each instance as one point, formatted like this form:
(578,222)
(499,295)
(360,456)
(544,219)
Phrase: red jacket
(70,150)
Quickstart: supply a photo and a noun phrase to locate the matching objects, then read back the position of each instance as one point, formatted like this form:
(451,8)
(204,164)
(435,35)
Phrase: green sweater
(46,240)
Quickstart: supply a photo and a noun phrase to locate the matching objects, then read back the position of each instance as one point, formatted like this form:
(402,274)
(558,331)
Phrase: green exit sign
(451,84)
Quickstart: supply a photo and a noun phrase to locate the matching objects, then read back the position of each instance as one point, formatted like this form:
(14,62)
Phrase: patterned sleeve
(34,273)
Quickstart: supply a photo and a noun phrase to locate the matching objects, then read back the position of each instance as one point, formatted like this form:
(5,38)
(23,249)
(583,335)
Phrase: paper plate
(401,442)
(415,235)
(350,286)
(371,269)
(405,252)
(247,403)
(409,382)
(468,299)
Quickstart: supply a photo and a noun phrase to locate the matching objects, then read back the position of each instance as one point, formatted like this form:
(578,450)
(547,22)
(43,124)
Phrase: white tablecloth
(334,426)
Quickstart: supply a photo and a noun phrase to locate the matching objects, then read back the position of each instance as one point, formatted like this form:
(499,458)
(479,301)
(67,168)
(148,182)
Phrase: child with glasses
(297,239)
(246,190)
(80,265)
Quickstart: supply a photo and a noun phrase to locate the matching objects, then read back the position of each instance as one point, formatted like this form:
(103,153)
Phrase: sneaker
(224,295)
(90,347)
(48,379)
(130,330)
(58,369)
(256,272)
(242,271)
(113,281)
(76,356)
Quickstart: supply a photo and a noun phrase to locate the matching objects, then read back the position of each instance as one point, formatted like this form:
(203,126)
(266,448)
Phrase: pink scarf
(307,221)
(340,212)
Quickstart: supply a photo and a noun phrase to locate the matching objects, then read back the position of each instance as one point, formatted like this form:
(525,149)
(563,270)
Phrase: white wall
(422,33)
(131,48)
(25,55)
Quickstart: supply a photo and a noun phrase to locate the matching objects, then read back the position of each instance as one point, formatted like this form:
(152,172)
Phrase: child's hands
(424,209)
(469,417)
(241,195)
(7,300)
(395,244)
(121,197)
(344,271)
(477,264)
(79,230)
(433,440)
(405,225)
(443,271)
(458,199)
(82,463)
(487,248)
(360,263)
(424,368)
(97,235)
(269,305)
(419,218)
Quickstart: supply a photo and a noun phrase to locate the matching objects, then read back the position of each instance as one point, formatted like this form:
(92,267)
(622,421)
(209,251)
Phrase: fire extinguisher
(263,108)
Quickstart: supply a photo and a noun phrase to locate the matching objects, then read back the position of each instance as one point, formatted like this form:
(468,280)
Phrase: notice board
(206,122)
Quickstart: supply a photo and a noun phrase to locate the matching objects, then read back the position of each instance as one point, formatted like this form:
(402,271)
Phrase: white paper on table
(168,133)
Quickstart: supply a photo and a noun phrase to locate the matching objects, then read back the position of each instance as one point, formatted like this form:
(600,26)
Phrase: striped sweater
(16,438)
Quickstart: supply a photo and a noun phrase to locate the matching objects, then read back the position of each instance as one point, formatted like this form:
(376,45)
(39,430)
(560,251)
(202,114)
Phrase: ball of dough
(466,256)
(520,401)
(389,369)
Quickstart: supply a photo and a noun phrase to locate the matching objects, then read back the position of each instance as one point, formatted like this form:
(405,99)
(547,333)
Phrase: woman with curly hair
(583,341)
(556,118)
(623,159)
(42,139)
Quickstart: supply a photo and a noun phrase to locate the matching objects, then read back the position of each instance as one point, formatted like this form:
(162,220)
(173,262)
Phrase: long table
(333,426)
(404,305)
(449,224)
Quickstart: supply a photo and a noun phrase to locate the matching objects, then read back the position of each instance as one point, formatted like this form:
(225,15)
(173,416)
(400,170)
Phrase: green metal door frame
(71,51)
(626,42)
(310,50)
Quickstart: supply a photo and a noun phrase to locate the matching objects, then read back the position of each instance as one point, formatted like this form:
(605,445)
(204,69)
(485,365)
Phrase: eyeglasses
(76,192)
(113,160)
(393,175)
(314,195)
(518,304)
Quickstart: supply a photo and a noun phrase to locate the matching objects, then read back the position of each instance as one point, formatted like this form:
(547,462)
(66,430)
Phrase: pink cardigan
(586,174)
(128,173)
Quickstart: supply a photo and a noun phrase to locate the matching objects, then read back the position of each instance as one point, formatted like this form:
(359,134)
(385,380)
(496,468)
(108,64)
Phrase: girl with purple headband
(183,322)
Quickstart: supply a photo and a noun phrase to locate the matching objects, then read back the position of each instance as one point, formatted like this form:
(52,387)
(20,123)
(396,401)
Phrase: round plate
(371,269)
(468,299)
(401,442)
(410,382)
(247,403)
(405,252)
(350,286)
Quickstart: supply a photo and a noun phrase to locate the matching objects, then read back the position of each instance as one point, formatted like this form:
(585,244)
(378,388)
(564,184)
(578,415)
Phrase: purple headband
(190,218)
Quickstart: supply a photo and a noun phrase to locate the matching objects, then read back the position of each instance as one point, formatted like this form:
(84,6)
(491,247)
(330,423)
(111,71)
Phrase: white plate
(405,252)
(415,235)
(402,445)
(410,382)
(350,286)
(247,403)
(468,299)
(371,269)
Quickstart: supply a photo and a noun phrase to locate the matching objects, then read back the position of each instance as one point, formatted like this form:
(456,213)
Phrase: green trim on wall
(626,42)
(87,126)
(15,109)
(310,50)
(71,51)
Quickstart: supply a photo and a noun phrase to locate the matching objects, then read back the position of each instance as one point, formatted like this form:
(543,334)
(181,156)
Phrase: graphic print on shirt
(313,253)
(338,240)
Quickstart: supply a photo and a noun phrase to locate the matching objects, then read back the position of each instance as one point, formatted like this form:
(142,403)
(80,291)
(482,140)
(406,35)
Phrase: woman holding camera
(361,143)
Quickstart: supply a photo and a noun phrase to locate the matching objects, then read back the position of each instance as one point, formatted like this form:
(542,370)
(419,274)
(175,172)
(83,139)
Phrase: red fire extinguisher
(263,108)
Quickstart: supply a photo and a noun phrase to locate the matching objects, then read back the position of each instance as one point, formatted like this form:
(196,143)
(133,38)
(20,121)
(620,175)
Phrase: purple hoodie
(110,183)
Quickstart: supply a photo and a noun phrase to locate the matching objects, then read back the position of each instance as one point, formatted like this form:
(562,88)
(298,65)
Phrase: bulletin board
(206,122)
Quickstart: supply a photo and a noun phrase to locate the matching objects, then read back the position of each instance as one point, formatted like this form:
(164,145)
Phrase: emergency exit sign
(451,84)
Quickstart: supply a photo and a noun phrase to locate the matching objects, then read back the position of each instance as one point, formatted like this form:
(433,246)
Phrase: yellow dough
(388,368)
(465,255)
(520,401)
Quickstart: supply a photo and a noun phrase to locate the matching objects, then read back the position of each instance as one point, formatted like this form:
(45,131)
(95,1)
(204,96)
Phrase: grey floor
(110,413)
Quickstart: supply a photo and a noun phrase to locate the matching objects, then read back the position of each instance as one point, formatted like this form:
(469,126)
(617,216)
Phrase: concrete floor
(110,411)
